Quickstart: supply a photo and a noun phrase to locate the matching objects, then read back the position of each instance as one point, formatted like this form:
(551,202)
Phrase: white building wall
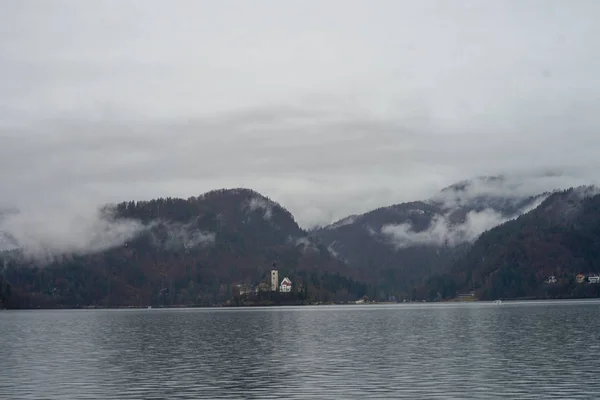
(285,289)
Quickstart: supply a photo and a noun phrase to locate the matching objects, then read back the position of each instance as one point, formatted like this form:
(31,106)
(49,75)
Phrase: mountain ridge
(198,248)
(516,259)
(402,244)
(189,251)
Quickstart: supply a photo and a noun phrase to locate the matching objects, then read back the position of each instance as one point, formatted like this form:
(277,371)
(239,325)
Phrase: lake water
(437,351)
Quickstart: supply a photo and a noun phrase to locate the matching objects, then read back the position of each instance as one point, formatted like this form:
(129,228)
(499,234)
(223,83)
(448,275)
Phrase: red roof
(286,282)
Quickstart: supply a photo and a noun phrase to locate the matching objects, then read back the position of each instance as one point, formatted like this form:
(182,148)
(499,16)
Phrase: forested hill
(193,251)
(560,238)
(202,250)
(404,244)
(5,292)
(242,211)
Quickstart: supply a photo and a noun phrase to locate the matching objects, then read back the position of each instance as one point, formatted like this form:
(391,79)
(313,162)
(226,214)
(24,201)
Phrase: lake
(428,351)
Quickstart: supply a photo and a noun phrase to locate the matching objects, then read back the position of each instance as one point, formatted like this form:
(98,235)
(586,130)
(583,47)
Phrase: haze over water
(451,351)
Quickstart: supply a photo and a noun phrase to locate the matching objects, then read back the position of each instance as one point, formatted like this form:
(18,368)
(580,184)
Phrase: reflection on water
(451,351)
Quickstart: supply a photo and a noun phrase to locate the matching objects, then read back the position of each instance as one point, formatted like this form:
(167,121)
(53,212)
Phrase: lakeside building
(286,285)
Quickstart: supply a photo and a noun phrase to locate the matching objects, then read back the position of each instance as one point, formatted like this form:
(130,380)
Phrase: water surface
(430,351)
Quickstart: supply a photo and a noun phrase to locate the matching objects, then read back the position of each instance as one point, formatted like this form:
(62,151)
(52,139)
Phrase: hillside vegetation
(560,238)
(208,250)
(192,251)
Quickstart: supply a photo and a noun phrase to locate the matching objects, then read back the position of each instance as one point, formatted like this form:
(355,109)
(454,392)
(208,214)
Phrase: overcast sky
(329,107)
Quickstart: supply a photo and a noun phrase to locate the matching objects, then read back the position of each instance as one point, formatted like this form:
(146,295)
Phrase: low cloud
(44,234)
(442,232)
(175,236)
(333,252)
(48,234)
(303,241)
(7,242)
(509,189)
(257,203)
(389,105)
(343,222)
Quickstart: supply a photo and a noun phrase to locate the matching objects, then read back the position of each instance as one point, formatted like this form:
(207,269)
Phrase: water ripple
(463,351)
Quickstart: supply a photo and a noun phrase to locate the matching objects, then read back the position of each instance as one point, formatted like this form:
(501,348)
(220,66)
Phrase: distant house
(243,289)
(594,279)
(551,279)
(579,278)
(286,285)
(263,287)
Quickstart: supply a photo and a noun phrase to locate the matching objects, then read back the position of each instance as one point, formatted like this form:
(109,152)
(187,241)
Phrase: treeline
(5,292)
(561,238)
(193,252)
(78,283)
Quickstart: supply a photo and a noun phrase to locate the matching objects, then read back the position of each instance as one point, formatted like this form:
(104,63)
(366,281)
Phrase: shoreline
(521,300)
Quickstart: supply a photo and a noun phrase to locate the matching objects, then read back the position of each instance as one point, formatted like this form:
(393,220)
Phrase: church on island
(272,285)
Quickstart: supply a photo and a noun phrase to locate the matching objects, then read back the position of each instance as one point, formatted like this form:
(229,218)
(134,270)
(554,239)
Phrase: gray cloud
(177,236)
(442,231)
(330,113)
(49,234)
(266,206)
(45,234)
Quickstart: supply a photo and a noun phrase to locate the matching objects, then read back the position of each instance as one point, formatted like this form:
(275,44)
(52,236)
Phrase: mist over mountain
(386,106)
(175,224)
(7,242)
(405,243)
(43,236)
(559,239)
(184,251)
(197,248)
(459,213)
